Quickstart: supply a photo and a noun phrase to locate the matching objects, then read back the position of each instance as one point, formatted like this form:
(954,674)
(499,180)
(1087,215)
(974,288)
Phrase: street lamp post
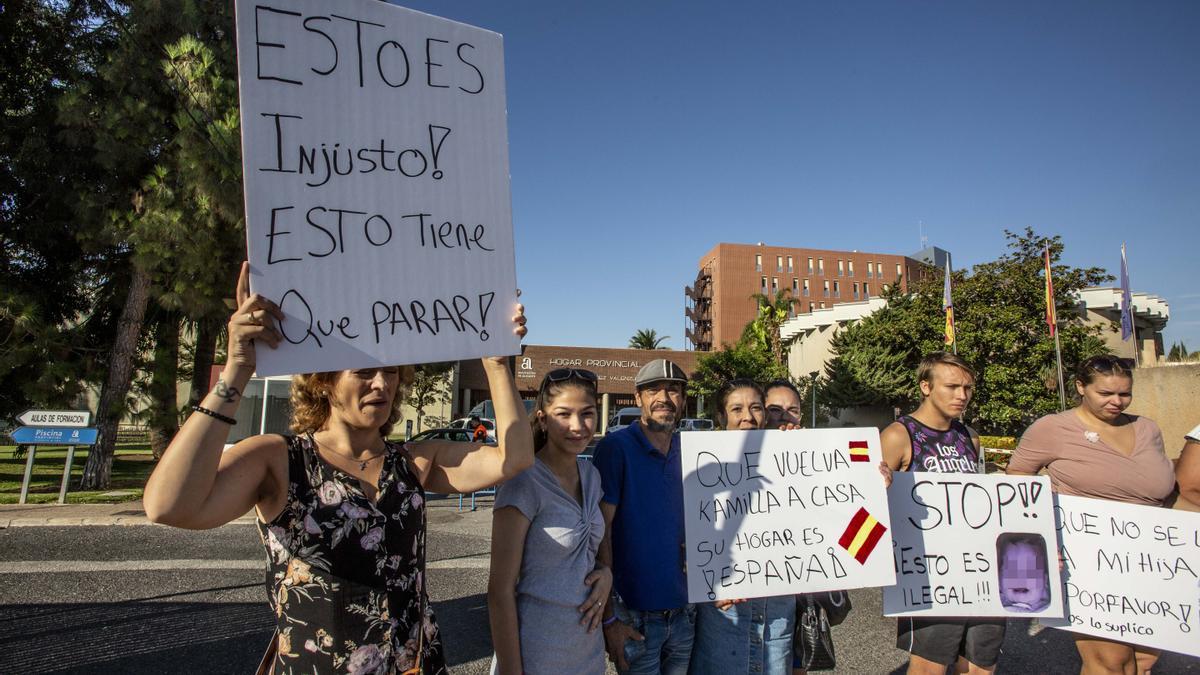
(813,375)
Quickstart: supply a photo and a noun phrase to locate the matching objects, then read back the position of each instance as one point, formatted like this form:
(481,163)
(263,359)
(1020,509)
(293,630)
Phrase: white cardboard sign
(966,544)
(781,512)
(1132,573)
(375,163)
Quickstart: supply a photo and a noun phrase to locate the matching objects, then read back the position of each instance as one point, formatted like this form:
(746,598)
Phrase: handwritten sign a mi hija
(375,161)
(780,512)
(1132,573)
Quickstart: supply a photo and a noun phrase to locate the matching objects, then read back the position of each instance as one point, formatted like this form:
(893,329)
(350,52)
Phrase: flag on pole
(1126,300)
(1051,315)
(948,306)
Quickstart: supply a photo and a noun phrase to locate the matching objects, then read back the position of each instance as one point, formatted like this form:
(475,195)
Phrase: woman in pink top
(1097,450)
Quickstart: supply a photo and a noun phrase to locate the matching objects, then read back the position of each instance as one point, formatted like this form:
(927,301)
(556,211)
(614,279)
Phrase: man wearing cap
(648,629)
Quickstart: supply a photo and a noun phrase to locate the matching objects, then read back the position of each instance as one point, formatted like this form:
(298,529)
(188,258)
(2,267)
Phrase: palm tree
(772,313)
(647,338)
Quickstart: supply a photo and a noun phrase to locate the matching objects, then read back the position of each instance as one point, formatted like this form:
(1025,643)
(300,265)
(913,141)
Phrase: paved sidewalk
(65,515)
(443,512)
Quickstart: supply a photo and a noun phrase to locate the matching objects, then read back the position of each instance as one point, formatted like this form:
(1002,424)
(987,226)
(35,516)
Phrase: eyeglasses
(564,374)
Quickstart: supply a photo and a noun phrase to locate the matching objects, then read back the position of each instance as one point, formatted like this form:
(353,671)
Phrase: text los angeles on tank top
(941,451)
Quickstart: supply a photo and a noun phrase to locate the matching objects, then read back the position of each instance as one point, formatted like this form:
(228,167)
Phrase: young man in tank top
(933,439)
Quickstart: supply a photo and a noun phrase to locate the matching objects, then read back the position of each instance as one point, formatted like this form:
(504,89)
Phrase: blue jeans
(750,637)
(667,647)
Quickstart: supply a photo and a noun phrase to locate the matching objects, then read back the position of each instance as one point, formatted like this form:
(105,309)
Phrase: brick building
(718,305)
(615,369)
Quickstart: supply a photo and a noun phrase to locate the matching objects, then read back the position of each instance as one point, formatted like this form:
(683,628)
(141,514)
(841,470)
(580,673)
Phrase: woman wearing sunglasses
(546,593)
(341,509)
(1098,450)
(743,636)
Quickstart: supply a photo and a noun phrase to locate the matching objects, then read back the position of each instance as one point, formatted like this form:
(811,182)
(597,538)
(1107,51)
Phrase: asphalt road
(148,599)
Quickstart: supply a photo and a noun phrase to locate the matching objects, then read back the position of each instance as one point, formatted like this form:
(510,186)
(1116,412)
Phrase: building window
(774,285)
(810,270)
(866,291)
(778,263)
(856,290)
(758,264)
(764,285)
(841,268)
(789,264)
(822,305)
(870,268)
(898,273)
(795,287)
(837,290)
(850,266)
(821,266)
(806,288)
(826,290)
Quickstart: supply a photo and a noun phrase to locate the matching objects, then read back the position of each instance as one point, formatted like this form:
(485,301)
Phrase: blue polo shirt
(647,531)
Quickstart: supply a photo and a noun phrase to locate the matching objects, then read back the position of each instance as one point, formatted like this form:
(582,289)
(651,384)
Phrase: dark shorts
(944,640)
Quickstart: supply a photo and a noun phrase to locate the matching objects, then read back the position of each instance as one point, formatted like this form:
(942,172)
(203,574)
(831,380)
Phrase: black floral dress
(347,575)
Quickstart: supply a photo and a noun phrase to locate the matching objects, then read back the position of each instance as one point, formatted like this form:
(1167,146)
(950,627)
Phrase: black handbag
(836,604)
(812,645)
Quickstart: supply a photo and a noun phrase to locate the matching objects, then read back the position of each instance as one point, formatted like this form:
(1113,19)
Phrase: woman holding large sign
(1097,450)
(546,593)
(743,636)
(340,508)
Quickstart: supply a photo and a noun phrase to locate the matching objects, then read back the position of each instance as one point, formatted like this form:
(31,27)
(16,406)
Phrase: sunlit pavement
(100,598)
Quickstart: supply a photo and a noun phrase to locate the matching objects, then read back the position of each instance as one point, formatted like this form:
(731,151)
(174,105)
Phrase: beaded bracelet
(215,415)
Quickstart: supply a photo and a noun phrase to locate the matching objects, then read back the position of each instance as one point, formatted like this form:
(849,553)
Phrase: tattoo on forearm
(226,392)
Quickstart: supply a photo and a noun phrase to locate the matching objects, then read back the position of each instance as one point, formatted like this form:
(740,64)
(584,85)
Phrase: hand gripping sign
(1132,573)
(375,161)
(783,512)
(966,544)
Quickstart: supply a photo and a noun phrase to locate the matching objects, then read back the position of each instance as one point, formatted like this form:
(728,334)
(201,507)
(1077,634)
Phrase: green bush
(998,442)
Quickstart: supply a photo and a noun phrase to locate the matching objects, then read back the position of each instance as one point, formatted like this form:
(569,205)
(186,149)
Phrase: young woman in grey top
(546,593)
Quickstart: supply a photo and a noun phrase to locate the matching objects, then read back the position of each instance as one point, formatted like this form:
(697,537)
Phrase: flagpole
(949,269)
(1137,358)
(951,335)
(1127,307)
(1052,320)
(1062,390)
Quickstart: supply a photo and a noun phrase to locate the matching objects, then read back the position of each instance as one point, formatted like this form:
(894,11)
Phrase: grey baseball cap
(659,370)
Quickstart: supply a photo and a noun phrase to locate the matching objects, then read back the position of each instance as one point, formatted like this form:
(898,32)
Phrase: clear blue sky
(643,133)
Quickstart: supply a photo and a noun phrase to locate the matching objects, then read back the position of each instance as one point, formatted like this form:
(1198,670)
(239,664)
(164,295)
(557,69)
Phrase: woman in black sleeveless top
(341,510)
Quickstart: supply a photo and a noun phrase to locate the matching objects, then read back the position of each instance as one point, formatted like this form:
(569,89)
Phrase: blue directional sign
(54,436)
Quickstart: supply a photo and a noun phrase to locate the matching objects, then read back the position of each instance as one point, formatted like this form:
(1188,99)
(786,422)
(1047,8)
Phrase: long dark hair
(547,393)
(727,389)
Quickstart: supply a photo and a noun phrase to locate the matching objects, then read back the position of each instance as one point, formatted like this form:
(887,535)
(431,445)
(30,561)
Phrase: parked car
(464,422)
(623,418)
(461,435)
(695,424)
(485,409)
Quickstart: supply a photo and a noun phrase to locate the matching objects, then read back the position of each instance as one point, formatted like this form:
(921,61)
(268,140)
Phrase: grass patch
(132,465)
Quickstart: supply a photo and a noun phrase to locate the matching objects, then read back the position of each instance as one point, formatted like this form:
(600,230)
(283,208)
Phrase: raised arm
(196,485)
(450,466)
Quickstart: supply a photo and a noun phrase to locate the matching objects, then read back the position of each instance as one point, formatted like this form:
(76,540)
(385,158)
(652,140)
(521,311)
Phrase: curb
(96,521)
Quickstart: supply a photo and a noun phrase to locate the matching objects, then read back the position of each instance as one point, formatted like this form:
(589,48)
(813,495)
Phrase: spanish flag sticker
(861,535)
(858,451)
